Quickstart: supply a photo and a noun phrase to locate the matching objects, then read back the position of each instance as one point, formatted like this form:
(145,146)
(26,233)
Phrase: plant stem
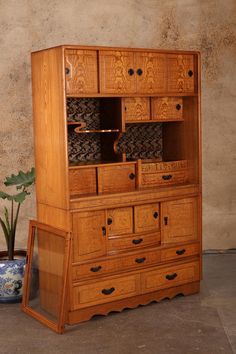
(11,236)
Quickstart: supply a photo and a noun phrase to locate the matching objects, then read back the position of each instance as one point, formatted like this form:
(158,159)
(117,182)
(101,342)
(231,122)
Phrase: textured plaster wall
(205,25)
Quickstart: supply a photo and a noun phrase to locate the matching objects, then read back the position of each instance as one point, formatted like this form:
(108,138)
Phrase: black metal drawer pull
(108,291)
(95,269)
(166,177)
(109,221)
(67,70)
(132,176)
(140,260)
(190,73)
(179,252)
(178,107)
(104,231)
(137,241)
(131,72)
(171,276)
(139,72)
(155,215)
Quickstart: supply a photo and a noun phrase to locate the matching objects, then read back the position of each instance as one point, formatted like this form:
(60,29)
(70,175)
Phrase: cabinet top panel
(159,50)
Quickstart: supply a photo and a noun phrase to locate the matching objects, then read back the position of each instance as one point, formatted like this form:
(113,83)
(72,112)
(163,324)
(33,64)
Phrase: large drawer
(132,242)
(136,260)
(105,291)
(170,276)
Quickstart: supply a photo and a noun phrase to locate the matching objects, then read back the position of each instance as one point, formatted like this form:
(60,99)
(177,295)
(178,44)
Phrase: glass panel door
(45,276)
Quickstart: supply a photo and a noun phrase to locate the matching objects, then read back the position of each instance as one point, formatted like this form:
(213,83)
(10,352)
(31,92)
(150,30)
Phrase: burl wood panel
(136,108)
(166,108)
(120,221)
(82,181)
(146,217)
(154,72)
(114,75)
(89,235)
(170,276)
(51,161)
(118,178)
(81,71)
(181,74)
(105,291)
(179,220)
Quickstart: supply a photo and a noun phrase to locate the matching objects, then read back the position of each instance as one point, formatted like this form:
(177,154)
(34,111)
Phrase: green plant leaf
(22,180)
(5,231)
(18,198)
(6,214)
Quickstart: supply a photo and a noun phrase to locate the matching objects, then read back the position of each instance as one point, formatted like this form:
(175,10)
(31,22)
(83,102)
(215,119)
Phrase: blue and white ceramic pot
(11,280)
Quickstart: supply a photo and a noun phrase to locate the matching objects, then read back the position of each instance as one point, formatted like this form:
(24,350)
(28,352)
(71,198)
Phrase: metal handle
(190,73)
(178,107)
(137,241)
(104,231)
(165,220)
(140,260)
(139,72)
(132,176)
(108,291)
(131,72)
(67,70)
(95,269)
(171,276)
(179,252)
(166,177)
(109,221)
(155,215)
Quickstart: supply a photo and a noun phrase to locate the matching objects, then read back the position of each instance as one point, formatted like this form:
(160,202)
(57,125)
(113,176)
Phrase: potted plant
(11,268)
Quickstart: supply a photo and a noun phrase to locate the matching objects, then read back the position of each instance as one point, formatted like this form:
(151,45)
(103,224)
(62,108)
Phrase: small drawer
(164,178)
(136,108)
(132,242)
(167,108)
(118,178)
(179,252)
(105,291)
(150,167)
(167,277)
(82,181)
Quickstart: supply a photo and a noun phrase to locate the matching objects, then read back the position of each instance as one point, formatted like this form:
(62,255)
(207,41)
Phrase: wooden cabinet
(89,232)
(117,153)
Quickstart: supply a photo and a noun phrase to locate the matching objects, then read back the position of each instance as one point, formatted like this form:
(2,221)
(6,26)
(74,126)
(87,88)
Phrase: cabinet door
(146,217)
(116,72)
(81,71)
(167,108)
(120,221)
(179,220)
(181,74)
(150,72)
(136,109)
(89,235)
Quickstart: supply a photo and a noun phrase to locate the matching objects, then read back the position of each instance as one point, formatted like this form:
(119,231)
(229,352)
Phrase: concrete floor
(204,323)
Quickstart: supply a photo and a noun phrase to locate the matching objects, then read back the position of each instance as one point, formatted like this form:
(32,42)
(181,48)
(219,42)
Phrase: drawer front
(164,166)
(105,291)
(175,253)
(132,242)
(167,108)
(171,177)
(170,276)
(135,260)
(82,181)
(112,179)
(136,108)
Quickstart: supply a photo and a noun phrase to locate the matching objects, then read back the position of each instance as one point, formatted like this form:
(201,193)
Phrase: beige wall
(205,25)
